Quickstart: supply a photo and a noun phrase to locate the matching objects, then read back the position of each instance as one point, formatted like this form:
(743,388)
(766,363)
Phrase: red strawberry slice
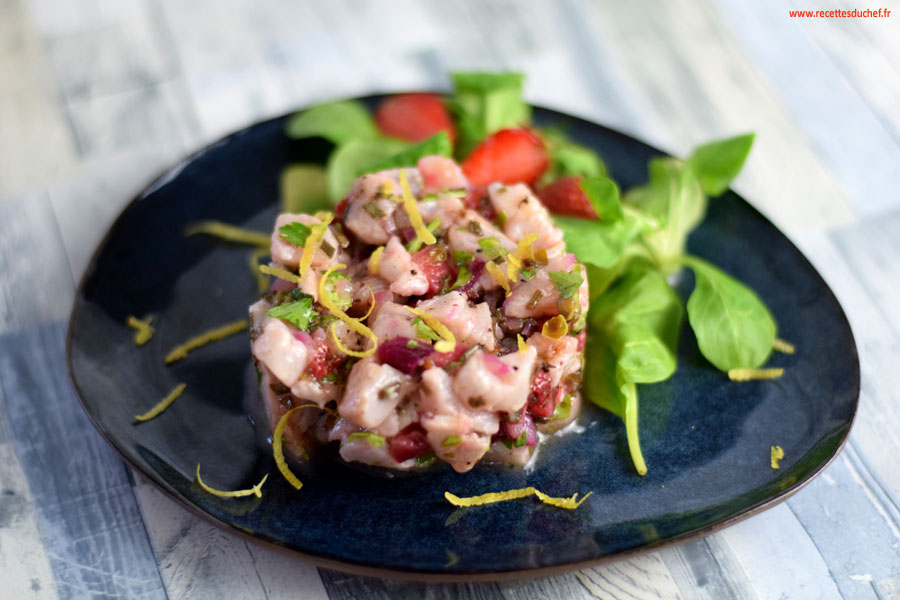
(564,197)
(508,156)
(414,117)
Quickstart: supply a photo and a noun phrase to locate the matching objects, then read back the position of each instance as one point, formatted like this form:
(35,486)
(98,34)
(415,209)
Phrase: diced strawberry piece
(508,156)
(543,400)
(434,264)
(412,442)
(564,197)
(324,362)
(414,117)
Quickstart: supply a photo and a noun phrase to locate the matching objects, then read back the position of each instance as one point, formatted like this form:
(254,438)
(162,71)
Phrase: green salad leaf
(734,328)
(337,122)
(304,189)
(568,158)
(485,103)
(355,157)
(437,144)
(718,162)
(603,194)
(599,243)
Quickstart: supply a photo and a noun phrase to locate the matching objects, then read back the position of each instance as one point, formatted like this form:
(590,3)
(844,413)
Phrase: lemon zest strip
(254,491)
(448,341)
(570,503)
(203,339)
(523,347)
(230,233)
(375,260)
(780,345)
(776,453)
(326,301)
(313,241)
(162,404)
(278,446)
(143,330)
(262,282)
(525,249)
(754,374)
(415,218)
(498,275)
(280,274)
(371,305)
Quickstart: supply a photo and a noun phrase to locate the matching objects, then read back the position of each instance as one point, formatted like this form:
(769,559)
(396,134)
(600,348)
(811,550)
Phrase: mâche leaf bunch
(630,243)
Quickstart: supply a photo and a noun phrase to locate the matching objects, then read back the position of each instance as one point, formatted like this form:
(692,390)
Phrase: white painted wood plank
(645,576)
(708,568)
(34,139)
(778,557)
(89,521)
(36,284)
(702,86)
(198,560)
(23,561)
(844,132)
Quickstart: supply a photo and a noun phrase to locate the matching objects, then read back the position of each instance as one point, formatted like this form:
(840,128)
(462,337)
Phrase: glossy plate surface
(706,440)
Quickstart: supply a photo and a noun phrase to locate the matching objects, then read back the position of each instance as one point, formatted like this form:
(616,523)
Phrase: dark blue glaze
(706,440)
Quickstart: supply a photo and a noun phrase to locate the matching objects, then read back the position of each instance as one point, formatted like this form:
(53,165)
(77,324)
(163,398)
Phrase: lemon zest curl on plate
(181,351)
(256,490)
(162,404)
(570,503)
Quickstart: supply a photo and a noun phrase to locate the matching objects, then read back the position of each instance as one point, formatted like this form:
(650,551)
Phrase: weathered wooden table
(98,96)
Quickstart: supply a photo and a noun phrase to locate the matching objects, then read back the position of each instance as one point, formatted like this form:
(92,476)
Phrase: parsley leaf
(295,233)
(425,332)
(485,103)
(566,283)
(437,144)
(491,248)
(298,313)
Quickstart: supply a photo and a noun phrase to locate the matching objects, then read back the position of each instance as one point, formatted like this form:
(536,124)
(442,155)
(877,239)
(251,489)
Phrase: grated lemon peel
(448,341)
(754,374)
(523,347)
(205,338)
(278,446)
(230,233)
(776,453)
(313,241)
(780,345)
(280,274)
(162,404)
(143,331)
(254,491)
(524,249)
(375,260)
(262,282)
(498,275)
(357,326)
(570,503)
(412,210)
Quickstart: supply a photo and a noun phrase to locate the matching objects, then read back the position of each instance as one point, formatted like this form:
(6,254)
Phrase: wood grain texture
(92,529)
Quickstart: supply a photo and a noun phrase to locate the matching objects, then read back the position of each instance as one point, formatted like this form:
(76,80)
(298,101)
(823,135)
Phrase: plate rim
(427,575)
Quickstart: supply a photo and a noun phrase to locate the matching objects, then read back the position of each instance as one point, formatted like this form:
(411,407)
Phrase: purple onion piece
(397,353)
(526,424)
(476,268)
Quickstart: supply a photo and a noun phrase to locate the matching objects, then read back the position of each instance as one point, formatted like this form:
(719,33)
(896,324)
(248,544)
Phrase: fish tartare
(427,319)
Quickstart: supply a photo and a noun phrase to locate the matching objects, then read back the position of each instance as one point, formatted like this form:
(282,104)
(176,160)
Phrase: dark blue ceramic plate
(706,440)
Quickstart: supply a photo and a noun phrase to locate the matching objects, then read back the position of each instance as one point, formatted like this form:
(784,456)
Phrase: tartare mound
(427,318)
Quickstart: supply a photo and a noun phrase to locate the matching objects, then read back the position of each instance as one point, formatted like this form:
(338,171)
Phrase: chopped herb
(412,344)
(563,409)
(474,227)
(535,298)
(566,283)
(327,248)
(341,299)
(462,359)
(492,249)
(507,442)
(424,331)
(527,274)
(462,258)
(298,313)
(426,459)
(330,377)
(462,278)
(388,391)
(374,439)
(521,440)
(452,440)
(374,210)
(295,233)
(416,243)
(501,219)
